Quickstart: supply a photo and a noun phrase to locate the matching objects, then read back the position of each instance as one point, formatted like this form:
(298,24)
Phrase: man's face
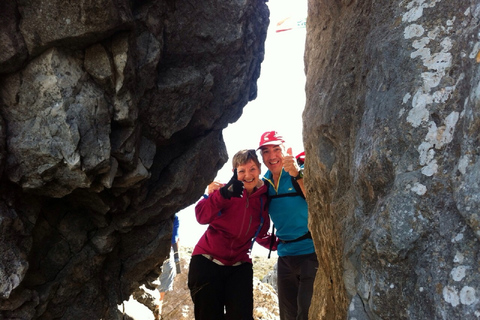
(273,158)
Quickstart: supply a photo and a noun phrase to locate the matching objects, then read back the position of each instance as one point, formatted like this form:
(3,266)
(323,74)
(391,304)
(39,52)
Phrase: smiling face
(249,174)
(273,158)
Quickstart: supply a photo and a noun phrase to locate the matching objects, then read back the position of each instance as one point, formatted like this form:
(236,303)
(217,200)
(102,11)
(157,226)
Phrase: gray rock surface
(111,115)
(391,138)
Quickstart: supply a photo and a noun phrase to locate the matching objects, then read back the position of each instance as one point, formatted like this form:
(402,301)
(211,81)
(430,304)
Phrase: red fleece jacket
(232,225)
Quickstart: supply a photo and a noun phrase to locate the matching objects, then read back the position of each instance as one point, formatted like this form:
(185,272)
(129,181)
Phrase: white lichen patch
(413,31)
(430,169)
(463,163)
(450,295)
(474,52)
(419,112)
(467,296)
(441,60)
(458,273)
(475,94)
(415,9)
(458,258)
(437,137)
(458,238)
(434,33)
(352,306)
(431,79)
(437,62)
(436,66)
(419,189)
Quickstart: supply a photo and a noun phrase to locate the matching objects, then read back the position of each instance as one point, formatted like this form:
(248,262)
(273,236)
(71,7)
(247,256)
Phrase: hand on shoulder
(215,185)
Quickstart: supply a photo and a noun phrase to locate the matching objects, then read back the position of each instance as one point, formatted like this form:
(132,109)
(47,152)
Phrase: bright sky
(279,104)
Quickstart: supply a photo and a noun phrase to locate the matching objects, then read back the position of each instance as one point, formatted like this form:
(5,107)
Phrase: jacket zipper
(275,187)
(247,198)
(250,220)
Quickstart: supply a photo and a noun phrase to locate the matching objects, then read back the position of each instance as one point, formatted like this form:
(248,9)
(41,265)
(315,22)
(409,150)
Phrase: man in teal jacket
(288,209)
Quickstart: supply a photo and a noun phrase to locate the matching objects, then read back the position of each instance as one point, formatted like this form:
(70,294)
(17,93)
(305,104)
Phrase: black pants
(295,277)
(220,292)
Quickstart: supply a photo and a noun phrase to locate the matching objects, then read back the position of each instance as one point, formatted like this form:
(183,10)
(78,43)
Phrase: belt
(211,258)
(307,235)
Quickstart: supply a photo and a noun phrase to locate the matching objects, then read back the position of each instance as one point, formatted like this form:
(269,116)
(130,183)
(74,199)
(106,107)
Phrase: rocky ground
(178,304)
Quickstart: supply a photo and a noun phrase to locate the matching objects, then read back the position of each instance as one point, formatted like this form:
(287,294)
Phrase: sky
(279,104)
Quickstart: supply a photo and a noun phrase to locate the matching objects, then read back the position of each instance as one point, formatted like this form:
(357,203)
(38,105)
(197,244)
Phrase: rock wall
(111,119)
(111,114)
(391,133)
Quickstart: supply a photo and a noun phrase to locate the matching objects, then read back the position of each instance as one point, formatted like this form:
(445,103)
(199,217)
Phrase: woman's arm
(208,208)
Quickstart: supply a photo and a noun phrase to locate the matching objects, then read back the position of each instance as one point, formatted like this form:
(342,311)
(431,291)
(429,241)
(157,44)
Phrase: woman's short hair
(244,156)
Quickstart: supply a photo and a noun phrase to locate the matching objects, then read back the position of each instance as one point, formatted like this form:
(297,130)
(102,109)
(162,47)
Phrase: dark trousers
(220,292)
(295,278)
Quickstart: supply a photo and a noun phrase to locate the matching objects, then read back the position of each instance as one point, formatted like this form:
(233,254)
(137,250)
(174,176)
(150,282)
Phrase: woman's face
(249,174)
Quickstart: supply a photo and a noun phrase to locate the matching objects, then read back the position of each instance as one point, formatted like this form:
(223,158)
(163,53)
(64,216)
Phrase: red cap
(300,158)
(270,138)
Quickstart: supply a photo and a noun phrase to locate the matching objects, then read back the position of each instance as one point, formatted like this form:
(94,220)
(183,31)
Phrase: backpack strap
(259,227)
(297,187)
(272,240)
(307,235)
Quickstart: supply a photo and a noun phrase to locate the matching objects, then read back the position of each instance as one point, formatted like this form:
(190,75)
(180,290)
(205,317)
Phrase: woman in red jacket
(220,275)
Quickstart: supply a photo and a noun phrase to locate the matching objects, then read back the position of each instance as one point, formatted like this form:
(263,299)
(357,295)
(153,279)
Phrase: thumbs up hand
(234,188)
(290,163)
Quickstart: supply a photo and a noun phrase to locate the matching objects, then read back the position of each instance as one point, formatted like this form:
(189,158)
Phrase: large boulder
(391,136)
(111,121)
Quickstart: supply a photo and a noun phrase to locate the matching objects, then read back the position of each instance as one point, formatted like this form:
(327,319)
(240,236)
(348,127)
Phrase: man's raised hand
(290,163)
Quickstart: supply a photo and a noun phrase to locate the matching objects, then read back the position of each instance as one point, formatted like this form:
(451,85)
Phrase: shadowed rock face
(111,118)
(391,132)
